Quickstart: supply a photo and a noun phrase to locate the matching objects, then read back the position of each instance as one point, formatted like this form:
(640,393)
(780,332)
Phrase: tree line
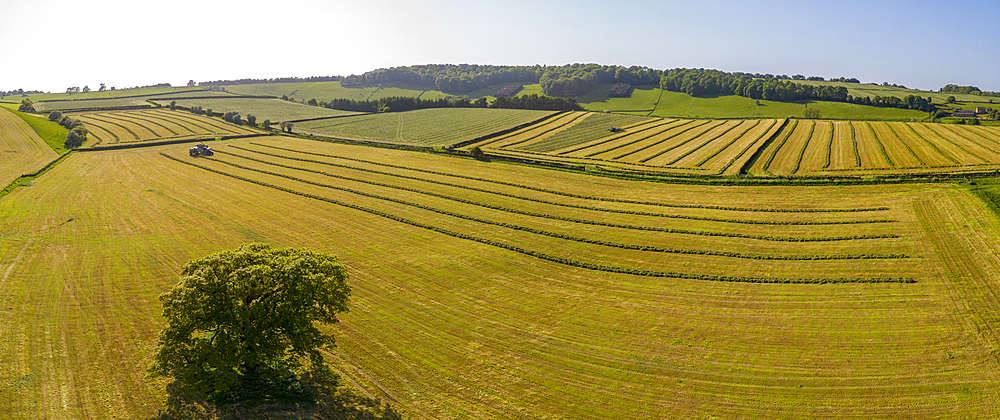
(699,82)
(274,80)
(564,81)
(403,103)
(968,90)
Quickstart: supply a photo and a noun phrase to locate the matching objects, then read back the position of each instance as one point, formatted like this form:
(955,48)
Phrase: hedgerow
(556,259)
(587,197)
(503,194)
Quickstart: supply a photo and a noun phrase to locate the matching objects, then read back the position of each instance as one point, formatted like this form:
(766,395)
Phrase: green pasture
(677,104)
(425,127)
(865,89)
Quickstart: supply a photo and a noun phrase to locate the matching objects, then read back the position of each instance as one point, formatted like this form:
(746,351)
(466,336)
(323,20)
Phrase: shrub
(55,116)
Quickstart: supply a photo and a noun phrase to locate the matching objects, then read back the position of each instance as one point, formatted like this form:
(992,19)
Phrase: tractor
(201,150)
(616,130)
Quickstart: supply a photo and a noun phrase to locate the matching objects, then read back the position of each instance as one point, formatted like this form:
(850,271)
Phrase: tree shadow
(315,397)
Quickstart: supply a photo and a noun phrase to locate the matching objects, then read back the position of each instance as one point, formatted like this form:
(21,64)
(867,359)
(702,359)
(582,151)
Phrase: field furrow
(788,157)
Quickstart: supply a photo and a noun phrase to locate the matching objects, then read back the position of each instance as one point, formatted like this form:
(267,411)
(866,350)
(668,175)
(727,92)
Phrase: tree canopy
(249,314)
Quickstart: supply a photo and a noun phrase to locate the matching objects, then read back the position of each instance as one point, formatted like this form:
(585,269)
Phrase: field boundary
(24,179)
(139,144)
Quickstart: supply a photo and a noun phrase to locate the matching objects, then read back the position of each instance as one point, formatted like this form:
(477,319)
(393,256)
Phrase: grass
(114,127)
(865,89)
(22,149)
(676,104)
(94,94)
(54,135)
(707,147)
(425,127)
(446,326)
(273,109)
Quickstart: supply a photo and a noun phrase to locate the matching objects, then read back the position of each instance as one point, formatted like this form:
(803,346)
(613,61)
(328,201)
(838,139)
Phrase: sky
(50,45)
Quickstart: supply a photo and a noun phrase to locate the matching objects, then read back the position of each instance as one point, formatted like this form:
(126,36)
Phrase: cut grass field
(51,133)
(264,109)
(109,128)
(723,147)
(425,127)
(447,322)
(22,151)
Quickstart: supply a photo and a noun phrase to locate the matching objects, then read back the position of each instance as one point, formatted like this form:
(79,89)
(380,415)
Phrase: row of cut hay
(595,127)
(723,144)
(731,160)
(518,237)
(612,141)
(540,139)
(534,132)
(788,154)
(131,126)
(818,153)
(492,194)
(664,140)
(687,155)
(769,153)
(589,195)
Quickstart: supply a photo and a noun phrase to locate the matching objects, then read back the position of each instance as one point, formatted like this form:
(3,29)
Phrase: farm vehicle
(201,150)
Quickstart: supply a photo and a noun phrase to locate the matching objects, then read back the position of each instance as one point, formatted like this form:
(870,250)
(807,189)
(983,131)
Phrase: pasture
(788,147)
(870,90)
(118,127)
(437,127)
(486,290)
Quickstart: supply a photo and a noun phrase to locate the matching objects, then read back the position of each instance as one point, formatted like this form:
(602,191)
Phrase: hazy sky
(53,44)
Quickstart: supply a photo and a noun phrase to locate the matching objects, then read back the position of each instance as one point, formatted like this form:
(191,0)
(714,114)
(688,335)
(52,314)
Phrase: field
(426,127)
(865,89)
(325,91)
(724,147)
(264,109)
(114,102)
(107,94)
(486,290)
(22,151)
(117,127)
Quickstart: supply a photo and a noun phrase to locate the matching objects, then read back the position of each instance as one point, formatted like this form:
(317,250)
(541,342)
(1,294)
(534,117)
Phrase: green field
(486,290)
(271,109)
(866,89)
(94,94)
(325,91)
(425,127)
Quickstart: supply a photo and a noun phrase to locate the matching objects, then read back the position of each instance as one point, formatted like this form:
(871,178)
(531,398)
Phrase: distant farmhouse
(964,113)
(980,110)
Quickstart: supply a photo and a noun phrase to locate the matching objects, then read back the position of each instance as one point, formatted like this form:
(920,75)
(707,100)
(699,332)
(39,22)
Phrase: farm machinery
(201,150)
(616,130)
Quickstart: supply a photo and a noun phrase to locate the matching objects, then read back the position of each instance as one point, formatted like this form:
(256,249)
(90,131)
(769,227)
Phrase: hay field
(22,151)
(264,109)
(117,127)
(423,127)
(788,147)
(446,323)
